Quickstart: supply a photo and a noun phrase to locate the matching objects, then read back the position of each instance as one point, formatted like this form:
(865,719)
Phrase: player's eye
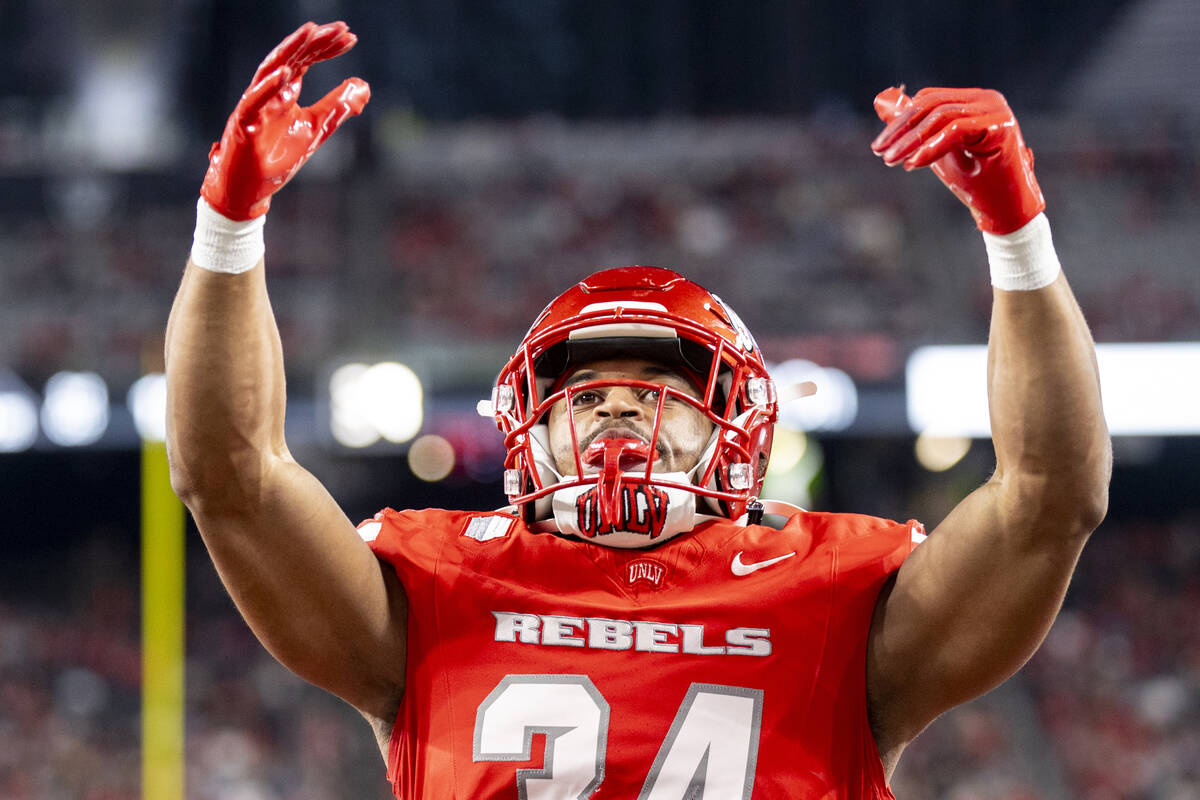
(650,395)
(585,398)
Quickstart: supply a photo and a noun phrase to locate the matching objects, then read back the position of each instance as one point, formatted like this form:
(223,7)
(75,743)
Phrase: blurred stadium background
(510,148)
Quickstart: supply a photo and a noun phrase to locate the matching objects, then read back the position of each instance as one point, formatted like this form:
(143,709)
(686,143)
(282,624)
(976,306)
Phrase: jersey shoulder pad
(437,522)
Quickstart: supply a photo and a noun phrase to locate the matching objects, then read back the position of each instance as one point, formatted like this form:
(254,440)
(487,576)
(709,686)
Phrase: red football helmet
(658,315)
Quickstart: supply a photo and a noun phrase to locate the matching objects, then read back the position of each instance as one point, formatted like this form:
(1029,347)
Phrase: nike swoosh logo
(741,569)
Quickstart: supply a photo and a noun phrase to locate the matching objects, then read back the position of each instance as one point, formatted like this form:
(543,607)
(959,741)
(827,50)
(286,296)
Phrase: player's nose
(620,401)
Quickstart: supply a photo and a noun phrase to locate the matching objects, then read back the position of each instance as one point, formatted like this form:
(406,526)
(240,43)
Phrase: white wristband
(1024,259)
(221,244)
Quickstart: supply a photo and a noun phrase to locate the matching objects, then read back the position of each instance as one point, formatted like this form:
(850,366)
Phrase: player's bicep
(964,612)
(309,586)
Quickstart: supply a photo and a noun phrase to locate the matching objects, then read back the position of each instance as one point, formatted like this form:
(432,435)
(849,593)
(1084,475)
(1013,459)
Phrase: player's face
(628,411)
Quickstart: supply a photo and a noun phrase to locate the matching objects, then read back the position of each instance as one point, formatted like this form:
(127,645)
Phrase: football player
(627,627)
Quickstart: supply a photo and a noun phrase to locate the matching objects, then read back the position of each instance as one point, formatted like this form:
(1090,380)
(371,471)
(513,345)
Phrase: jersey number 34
(709,752)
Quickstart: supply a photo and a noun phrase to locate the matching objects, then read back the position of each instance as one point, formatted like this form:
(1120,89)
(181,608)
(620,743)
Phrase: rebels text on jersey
(729,662)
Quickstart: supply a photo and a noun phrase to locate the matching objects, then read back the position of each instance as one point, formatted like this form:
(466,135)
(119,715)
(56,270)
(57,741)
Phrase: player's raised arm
(971,605)
(307,584)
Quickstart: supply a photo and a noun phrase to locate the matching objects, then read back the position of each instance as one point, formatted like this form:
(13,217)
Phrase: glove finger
(284,52)
(971,136)
(326,39)
(923,103)
(935,95)
(300,58)
(260,93)
(904,119)
(328,113)
(928,126)
(890,102)
(975,102)
(340,44)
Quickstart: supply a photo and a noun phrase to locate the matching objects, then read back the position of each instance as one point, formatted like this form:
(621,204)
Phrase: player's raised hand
(970,139)
(269,135)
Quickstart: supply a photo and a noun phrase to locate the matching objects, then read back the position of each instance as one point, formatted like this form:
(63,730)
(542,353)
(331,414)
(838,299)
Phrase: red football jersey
(728,663)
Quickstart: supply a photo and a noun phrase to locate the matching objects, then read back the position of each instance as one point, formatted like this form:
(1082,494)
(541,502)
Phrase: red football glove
(970,138)
(269,136)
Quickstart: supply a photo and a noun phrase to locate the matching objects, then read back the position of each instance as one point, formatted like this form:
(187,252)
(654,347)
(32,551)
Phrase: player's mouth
(629,447)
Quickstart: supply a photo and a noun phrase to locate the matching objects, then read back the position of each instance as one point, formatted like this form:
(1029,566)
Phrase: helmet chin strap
(642,515)
(619,510)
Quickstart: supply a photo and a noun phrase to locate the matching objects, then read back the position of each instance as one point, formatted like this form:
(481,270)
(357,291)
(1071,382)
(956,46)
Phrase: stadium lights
(147,403)
(372,402)
(833,407)
(18,420)
(75,408)
(1148,389)
(940,453)
(946,391)
(787,449)
(431,457)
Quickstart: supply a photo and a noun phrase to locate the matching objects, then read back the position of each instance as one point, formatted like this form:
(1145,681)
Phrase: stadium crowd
(455,234)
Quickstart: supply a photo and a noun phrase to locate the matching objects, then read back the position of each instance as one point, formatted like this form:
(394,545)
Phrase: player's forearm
(225,386)
(1052,449)
(224,365)
(1052,446)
